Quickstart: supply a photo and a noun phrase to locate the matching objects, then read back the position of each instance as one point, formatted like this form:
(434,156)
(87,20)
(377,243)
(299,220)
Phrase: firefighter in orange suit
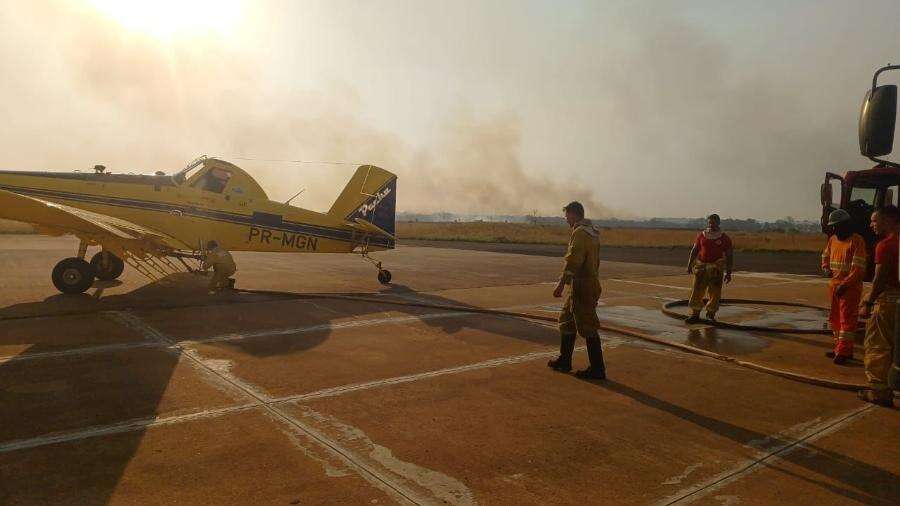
(844,261)
(579,313)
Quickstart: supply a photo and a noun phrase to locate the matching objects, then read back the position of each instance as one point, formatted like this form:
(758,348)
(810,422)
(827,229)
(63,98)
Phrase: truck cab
(861,192)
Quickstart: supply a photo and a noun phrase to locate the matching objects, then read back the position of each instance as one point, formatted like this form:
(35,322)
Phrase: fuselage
(219,201)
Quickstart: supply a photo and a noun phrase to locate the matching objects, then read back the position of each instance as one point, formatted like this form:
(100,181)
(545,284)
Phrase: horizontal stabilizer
(371,228)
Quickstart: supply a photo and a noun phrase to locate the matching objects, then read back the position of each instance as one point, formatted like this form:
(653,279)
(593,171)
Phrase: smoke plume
(133,104)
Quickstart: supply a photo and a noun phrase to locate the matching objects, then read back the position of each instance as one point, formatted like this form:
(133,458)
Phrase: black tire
(114,266)
(73,275)
(384,276)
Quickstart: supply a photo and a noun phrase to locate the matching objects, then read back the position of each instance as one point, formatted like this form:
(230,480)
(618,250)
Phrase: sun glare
(168,18)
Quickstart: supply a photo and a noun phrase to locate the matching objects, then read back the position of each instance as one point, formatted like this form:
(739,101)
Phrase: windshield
(182,175)
(866,195)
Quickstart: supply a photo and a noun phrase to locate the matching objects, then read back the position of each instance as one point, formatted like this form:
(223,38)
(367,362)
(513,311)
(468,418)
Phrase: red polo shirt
(711,250)
(887,254)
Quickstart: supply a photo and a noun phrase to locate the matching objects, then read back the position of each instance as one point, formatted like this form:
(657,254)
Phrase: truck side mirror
(888,197)
(825,194)
(876,121)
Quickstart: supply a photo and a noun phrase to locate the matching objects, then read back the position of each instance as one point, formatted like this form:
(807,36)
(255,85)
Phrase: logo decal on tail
(380,208)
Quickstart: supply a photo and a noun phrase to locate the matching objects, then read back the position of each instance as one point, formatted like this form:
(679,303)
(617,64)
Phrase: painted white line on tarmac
(236,336)
(119,428)
(239,336)
(344,389)
(85,350)
(386,481)
(777,276)
(650,284)
(293,399)
(789,441)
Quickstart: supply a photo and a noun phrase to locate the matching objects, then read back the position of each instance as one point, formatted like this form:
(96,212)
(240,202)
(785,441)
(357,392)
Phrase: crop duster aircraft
(155,222)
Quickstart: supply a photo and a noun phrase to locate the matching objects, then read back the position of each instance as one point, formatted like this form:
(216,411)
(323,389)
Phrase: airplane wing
(131,242)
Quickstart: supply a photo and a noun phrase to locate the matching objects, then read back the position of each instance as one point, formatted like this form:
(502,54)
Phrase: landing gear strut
(74,275)
(384,275)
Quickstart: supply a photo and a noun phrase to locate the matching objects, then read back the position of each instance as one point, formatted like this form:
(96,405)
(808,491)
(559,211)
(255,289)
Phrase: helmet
(838,216)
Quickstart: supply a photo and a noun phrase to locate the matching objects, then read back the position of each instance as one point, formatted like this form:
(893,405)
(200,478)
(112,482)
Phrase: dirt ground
(793,262)
(526,233)
(158,393)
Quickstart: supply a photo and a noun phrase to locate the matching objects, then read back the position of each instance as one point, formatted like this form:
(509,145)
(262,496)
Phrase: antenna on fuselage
(295,196)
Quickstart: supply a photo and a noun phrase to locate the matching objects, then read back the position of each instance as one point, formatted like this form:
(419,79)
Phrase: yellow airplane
(154,222)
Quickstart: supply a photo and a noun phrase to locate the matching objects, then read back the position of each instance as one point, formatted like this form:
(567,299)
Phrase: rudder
(370,195)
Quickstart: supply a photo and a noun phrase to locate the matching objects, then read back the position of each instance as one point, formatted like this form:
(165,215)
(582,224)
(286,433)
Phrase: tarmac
(159,393)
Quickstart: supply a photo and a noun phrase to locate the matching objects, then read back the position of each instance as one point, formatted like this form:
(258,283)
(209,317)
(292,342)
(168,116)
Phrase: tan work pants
(879,341)
(579,313)
(708,279)
(219,279)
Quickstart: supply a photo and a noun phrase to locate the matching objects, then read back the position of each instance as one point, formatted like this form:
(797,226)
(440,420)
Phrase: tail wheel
(113,269)
(73,275)
(384,276)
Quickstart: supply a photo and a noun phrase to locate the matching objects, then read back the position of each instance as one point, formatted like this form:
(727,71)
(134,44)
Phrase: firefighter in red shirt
(712,259)
(881,306)
(844,261)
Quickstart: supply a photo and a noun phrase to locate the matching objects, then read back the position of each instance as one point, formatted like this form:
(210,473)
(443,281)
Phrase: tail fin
(371,195)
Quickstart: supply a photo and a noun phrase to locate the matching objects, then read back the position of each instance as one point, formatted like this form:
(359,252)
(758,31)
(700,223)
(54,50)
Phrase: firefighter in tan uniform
(711,261)
(219,259)
(881,308)
(579,313)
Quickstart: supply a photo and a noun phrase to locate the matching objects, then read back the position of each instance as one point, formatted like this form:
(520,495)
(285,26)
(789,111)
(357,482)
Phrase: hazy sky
(637,108)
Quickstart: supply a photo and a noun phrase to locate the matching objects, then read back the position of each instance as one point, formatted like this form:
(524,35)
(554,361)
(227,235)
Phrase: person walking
(711,261)
(579,313)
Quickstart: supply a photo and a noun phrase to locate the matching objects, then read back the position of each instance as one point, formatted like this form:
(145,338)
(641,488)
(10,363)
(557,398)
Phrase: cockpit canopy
(218,176)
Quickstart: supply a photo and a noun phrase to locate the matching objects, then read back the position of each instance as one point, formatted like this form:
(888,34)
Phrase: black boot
(563,363)
(597,370)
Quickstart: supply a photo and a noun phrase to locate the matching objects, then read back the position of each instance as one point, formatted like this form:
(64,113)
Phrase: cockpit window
(215,180)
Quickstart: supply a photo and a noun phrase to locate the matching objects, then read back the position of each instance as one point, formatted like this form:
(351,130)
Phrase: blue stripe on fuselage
(210,214)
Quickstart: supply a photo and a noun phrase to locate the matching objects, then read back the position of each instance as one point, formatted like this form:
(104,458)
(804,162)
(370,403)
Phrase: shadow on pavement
(46,473)
(859,481)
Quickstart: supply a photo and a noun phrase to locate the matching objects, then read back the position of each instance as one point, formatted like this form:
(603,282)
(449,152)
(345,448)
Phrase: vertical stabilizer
(371,195)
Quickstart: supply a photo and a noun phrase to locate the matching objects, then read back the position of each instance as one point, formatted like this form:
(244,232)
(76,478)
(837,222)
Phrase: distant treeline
(787,224)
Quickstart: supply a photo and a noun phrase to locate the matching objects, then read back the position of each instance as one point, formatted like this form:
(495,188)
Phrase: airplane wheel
(73,275)
(114,266)
(384,276)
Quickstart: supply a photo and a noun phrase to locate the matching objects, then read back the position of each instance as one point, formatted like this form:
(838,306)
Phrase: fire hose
(793,376)
(667,310)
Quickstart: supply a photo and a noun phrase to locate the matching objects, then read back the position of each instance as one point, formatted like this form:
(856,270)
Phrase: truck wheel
(384,276)
(114,266)
(73,275)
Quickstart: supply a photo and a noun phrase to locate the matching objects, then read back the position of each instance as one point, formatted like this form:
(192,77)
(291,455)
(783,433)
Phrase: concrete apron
(322,402)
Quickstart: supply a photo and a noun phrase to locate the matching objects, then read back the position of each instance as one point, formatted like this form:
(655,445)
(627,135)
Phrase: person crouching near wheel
(881,308)
(219,259)
(579,313)
(711,261)
(844,261)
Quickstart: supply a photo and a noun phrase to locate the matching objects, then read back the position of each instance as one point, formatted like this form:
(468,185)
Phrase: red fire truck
(859,192)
